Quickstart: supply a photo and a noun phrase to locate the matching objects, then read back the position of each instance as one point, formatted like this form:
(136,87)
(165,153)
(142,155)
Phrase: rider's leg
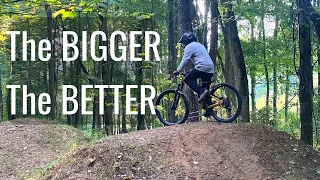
(191,81)
(206,81)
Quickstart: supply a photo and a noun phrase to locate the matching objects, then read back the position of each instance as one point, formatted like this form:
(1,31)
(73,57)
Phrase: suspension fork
(176,97)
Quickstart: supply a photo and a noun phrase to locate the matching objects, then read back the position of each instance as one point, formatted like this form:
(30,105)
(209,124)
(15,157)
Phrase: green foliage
(93,134)
(291,126)
(261,116)
(130,15)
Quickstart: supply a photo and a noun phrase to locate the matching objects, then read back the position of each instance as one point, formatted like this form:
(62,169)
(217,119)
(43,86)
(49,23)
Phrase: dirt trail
(29,144)
(193,151)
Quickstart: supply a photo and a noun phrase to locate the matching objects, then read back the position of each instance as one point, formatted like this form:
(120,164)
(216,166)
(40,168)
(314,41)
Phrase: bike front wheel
(172,107)
(227,102)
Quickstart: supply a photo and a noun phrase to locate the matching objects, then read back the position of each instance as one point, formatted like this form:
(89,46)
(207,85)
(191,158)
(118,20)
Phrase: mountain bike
(172,106)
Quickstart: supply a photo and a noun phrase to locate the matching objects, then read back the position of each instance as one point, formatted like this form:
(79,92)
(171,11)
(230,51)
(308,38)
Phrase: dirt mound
(193,151)
(29,144)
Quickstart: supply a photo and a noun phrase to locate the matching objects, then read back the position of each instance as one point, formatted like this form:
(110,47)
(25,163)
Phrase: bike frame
(218,94)
(179,89)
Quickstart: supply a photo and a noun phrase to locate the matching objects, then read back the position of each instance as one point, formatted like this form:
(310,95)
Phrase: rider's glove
(176,72)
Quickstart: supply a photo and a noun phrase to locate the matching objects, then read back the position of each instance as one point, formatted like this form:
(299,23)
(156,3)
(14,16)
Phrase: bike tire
(165,121)
(238,100)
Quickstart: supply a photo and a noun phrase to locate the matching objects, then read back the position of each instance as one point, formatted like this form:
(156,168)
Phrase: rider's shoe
(226,103)
(203,95)
(209,113)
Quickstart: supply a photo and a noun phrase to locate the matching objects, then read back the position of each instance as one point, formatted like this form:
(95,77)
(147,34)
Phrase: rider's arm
(186,56)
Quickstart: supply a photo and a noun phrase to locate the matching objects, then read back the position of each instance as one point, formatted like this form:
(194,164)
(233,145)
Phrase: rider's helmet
(187,38)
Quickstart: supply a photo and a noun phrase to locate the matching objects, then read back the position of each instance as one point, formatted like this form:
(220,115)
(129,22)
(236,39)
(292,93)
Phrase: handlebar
(183,74)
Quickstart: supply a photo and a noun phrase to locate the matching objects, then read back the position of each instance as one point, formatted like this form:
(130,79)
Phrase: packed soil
(29,144)
(203,150)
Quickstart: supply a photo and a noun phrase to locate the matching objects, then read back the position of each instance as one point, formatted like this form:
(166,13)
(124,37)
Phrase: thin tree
(275,87)
(213,51)
(305,76)
(172,64)
(265,63)
(51,63)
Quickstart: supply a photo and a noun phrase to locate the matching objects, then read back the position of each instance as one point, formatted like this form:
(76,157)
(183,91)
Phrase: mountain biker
(204,67)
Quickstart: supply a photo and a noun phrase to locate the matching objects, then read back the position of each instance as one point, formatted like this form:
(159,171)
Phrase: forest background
(268,49)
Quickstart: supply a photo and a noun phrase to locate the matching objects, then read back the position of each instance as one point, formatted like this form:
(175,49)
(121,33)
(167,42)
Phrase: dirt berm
(30,144)
(193,151)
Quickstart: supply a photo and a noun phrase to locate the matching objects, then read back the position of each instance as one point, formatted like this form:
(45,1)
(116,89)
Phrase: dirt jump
(29,144)
(205,150)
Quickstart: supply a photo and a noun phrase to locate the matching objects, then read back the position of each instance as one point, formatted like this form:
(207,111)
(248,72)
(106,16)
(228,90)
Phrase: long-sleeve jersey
(199,57)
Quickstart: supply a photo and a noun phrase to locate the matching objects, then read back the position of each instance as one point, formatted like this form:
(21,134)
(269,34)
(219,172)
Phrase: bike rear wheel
(228,102)
(172,107)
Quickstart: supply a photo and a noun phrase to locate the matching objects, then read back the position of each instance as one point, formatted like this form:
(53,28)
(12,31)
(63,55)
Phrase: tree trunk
(172,64)
(229,68)
(72,118)
(9,80)
(139,79)
(266,70)
(306,5)
(185,25)
(118,129)
(253,97)
(184,15)
(275,96)
(99,116)
(123,120)
(205,30)
(68,81)
(286,101)
(195,20)
(253,73)
(77,72)
(177,29)
(240,73)
(305,76)
(213,51)
(123,101)
(106,74)
(78,64)
(58,114)
(28,76)
(95,113)
(131,124)
(51,63)
(275,87)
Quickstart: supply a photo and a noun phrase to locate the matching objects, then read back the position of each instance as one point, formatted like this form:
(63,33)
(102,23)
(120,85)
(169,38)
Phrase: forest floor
(205,150)
(29,144)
